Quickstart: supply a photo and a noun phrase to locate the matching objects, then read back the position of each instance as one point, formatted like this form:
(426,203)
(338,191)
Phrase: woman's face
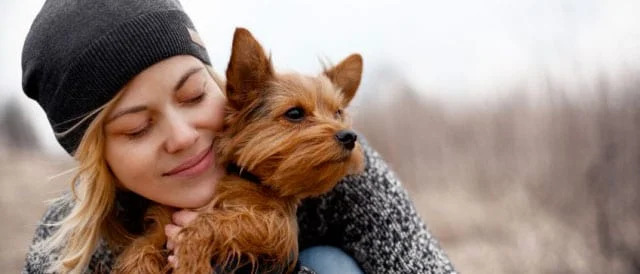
(159,134)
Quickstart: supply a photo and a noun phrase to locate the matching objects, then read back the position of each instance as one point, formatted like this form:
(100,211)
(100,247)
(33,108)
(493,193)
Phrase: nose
(181,135)
(347,138)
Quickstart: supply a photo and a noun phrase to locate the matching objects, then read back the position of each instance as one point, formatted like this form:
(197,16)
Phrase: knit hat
(80,53)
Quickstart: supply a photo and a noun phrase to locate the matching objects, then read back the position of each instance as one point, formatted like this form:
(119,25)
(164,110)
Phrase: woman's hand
(180,219)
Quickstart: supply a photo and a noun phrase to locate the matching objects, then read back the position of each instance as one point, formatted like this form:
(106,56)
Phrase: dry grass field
(25,185)
(522,185)
(518,186)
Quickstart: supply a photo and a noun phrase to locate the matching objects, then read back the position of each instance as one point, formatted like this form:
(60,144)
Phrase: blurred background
(513,124)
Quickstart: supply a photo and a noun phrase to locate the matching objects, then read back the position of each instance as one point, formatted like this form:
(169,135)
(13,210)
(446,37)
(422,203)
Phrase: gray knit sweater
(369,216)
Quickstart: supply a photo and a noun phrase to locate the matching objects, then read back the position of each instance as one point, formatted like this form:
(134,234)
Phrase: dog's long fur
(250,222)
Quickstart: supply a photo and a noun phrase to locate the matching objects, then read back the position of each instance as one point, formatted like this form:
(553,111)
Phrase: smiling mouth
(194,165)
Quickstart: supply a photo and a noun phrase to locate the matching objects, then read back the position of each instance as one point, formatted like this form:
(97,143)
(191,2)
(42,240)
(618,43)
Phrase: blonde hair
(93,189)
(94,193)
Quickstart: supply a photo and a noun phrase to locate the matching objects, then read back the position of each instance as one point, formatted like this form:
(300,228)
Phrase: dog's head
(290,130)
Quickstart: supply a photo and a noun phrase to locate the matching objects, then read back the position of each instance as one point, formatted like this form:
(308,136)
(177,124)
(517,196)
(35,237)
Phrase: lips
(194,165)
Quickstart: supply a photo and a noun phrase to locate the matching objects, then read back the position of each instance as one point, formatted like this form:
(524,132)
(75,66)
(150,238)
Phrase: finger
(171,244)
(184,217)
(172,261)
(171,231)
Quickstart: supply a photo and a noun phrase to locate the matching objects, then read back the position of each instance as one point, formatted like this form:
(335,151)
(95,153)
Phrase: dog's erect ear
(249,69)
(346,76)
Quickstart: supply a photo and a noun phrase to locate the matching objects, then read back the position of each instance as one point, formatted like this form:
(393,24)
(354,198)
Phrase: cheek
(211,114)
(131,165)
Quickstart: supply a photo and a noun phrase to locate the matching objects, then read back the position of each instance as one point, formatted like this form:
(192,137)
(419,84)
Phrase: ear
(346,76)
(249,69)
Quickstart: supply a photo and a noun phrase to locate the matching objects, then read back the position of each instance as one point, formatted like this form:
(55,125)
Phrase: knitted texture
(79,54)
(369,216)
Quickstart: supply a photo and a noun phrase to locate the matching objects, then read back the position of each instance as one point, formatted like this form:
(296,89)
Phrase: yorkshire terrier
(285,137)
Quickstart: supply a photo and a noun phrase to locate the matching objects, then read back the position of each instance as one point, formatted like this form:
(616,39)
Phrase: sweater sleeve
(371,217)
(37,261)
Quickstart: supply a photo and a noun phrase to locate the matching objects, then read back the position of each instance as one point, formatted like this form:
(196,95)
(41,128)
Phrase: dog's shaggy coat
(288,130)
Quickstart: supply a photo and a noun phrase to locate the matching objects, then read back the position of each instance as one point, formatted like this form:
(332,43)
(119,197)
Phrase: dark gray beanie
(80,53)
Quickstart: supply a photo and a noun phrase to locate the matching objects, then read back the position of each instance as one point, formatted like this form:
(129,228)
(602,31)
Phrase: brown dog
(285,137)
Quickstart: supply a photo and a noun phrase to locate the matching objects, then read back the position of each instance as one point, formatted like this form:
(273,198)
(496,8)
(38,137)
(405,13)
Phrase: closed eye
(196,99)
(139,132)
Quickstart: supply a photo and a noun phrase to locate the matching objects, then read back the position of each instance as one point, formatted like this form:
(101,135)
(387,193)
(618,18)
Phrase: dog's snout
(347,138)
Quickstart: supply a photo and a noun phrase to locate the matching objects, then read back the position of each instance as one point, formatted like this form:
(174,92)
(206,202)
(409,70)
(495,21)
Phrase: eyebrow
(179,85)
(126,111)
(186,76)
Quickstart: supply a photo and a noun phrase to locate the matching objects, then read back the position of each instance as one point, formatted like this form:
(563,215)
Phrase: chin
(196,193)
(196,203)
(198,197)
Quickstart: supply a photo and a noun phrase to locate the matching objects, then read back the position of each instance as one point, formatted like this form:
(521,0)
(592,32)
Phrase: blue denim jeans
(325,259)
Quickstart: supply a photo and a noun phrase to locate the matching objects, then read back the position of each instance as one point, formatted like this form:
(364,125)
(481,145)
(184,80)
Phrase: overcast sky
(458,50)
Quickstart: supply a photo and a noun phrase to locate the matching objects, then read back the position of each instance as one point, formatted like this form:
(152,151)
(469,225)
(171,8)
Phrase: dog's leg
(227,237)
(194,248)
(147,254)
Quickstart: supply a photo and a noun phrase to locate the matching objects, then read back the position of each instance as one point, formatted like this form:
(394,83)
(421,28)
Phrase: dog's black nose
(347,138)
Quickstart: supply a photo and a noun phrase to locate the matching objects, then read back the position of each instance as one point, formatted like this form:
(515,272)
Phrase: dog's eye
(295,114)
(338,114)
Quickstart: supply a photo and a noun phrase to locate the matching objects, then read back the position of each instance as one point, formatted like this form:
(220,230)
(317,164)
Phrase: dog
(285,137)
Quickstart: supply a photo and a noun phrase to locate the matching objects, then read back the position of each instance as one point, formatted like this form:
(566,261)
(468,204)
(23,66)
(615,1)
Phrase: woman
(128,89)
